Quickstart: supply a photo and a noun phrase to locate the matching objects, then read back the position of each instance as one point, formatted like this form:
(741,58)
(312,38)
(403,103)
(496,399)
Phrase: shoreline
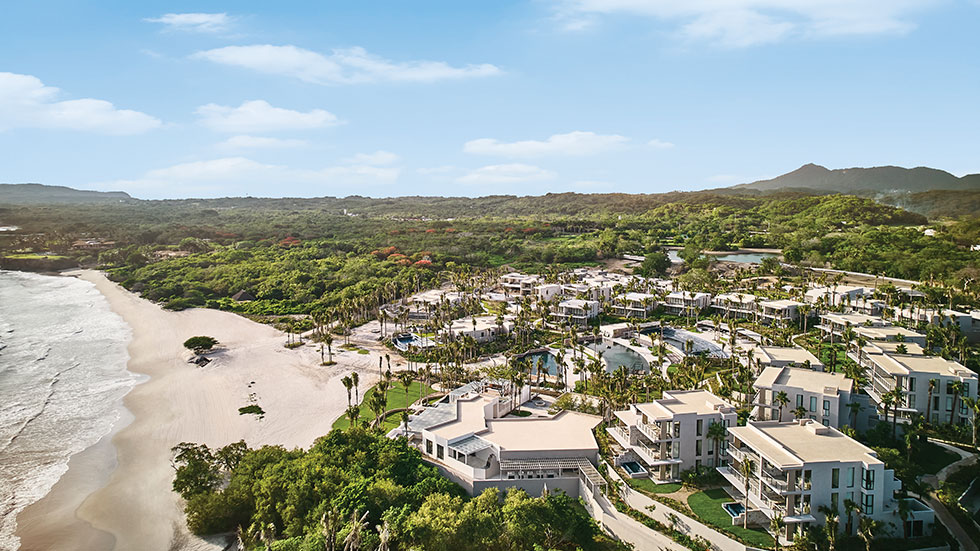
(119,490)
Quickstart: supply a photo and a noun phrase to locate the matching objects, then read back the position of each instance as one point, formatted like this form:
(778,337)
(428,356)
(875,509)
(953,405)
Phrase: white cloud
(25,102)
(194,22)
(342,66)
(659,144)
(243,141)
(506,174)
(259,116)
(743,23)
(572,143)
(236,176)
(373,159)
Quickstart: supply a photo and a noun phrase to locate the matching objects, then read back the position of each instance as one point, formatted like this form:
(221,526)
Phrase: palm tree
(405,378)
(328,340)
(353,413)
(799,412)
(830,525)
(904,512)
(355,379)
(957,388)
(850,507)
(867,529)
(746,469)
(353,541)
(855,408)
(899,396)
(887,399)
(405,421)
(782,400)
(776,527)
(717,433)
(329,525)
(348,384)
(933,385)
(973,404)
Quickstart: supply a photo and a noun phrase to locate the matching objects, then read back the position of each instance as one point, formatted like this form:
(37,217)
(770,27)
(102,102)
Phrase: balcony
(780,485)
(651,431)
(620,435)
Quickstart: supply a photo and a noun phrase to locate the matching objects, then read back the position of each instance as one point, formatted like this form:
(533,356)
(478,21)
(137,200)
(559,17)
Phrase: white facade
(780,312)
(670,435)
(800,466)
(824,396)
(575,312)
(684,303)
(735,305)
(634,305)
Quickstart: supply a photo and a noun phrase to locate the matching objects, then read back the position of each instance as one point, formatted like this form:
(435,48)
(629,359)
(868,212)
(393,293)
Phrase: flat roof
(882,333)
(683,401)
(782,303)
(568,430)
(932,364)
(733,297)
(800,377)
(787,354)
(469,418)
(854,319)
(791,444)
(891,347)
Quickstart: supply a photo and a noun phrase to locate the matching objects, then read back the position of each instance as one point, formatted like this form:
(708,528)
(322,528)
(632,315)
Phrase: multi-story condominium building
(798,467)
(469,437)
(575,312)
(835,295)
(969,323)
(670,435)
(480,328)
(634,305)
(519,284)
(685,303)
(780,312)
(823,395)
(912,373)
(870,328)
(547,291)
(780,356)
(735,305)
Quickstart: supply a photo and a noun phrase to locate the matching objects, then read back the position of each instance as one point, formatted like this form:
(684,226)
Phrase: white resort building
(634,305)
(686,303)
(797,467)
(670,435)
(472,442)
(823,395)
(575,312)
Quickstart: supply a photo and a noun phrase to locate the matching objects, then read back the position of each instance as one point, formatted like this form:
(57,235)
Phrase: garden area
(707,507)
(397,398)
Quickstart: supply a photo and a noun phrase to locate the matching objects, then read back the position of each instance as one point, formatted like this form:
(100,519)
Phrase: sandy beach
(117,494)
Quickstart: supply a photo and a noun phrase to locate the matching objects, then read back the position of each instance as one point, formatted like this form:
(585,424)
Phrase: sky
(471,98)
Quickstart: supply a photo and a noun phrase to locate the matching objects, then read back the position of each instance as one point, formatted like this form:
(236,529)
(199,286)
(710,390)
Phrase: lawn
(932,458)
(707,506)
(396,399)
(648,486)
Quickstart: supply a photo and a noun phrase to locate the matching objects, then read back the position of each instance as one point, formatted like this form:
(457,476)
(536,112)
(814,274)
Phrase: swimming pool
(734,509)
(404,340)
(632,467)
(616,355)
(544,361)
(745,258)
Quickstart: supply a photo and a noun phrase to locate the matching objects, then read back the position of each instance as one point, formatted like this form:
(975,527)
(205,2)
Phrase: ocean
(62,379)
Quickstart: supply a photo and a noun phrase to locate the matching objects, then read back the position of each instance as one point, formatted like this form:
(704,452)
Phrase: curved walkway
(683,523)
(942,513)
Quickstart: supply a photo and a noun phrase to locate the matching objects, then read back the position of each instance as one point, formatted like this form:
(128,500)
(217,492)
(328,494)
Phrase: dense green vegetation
(357,489)
(300,255)
(395,398)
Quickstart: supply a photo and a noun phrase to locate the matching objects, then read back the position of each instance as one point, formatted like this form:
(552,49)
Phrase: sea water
(62,378)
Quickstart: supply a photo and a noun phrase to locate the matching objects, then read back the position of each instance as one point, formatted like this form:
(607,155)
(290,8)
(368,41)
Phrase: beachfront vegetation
(394,397)
(357,489)
(200,344)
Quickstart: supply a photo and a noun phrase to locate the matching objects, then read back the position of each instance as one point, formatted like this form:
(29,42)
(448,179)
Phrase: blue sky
(212,99)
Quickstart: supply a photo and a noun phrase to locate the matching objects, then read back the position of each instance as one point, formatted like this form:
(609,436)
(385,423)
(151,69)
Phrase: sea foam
(62,378)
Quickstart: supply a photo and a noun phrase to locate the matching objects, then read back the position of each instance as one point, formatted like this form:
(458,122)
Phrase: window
(949,403)
(697,464)
(697,447)
(799,400)
(911,384)
(677,430)
(813,403)
(835,478)
(935,403)
(440,451)
(825,422)
(700,426)
(868,504)
(428,447)
(949,387)
(834,498)
(826,407)
(850,477)
(868,479)
(911,401)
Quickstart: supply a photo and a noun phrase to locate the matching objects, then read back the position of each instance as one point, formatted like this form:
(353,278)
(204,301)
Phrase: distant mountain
(884,179)
(21,194)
